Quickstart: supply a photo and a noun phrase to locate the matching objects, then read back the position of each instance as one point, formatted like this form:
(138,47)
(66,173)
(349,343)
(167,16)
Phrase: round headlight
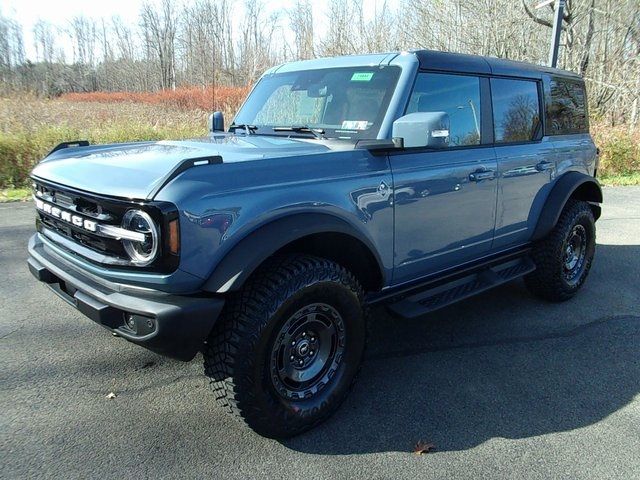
(141,252)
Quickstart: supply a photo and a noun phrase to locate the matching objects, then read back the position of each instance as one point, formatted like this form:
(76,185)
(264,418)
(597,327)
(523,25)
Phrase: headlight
(145,252)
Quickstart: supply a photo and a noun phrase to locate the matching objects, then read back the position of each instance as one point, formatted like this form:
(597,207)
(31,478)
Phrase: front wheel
(563,258)
(288,346)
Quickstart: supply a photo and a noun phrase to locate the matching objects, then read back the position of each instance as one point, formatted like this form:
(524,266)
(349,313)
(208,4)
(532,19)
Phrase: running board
(445,294)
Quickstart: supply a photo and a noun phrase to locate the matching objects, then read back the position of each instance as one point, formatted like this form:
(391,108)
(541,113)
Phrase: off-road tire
(238,353)
(548,280)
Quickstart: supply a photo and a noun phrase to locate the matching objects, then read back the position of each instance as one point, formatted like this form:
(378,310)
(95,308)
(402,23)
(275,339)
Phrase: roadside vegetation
(31,126)
(619,154)
(150,77)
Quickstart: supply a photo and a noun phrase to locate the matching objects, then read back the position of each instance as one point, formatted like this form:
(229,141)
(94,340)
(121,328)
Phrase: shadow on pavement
(500,365)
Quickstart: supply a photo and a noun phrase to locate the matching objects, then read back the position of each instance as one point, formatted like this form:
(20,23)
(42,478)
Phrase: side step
(445,294)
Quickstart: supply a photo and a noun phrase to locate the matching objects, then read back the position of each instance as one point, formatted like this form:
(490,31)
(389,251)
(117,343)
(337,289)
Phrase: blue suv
(411,179)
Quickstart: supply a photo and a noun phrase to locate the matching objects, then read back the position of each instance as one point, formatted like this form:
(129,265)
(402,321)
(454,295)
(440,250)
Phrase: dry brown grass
(30,127)
(30,114)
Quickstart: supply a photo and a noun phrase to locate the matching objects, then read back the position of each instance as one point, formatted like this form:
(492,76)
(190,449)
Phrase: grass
(30,127)
(14,195)
(622,180)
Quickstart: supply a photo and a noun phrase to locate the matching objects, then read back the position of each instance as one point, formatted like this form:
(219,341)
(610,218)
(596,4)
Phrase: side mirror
(423,129)
(216,122)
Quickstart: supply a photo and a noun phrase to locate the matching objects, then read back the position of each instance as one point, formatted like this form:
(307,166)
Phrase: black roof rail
(185,164)
(75,143)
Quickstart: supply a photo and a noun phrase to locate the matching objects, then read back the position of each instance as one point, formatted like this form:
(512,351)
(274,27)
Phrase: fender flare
(253,249)
(572,184)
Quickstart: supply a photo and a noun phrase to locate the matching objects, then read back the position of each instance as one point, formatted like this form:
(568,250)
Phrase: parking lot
(504,385)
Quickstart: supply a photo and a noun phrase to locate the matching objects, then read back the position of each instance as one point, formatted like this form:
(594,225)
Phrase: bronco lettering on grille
(66,216)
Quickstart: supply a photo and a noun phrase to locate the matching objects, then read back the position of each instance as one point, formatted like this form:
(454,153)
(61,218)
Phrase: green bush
(620,154)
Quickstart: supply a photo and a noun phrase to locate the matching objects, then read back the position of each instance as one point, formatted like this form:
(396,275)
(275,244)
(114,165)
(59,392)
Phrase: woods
(181,60)
(223,42)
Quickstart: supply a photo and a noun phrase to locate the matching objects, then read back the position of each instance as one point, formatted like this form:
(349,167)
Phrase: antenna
(213,74)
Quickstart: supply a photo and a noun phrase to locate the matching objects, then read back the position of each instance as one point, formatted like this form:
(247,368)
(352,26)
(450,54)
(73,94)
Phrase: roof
(431,60)
(459,62)
(370,59)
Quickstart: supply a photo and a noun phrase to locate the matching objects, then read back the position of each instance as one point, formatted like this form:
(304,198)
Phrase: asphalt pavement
(503,385)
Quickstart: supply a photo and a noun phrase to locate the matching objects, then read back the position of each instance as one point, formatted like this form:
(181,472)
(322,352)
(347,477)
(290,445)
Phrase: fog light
(139,324)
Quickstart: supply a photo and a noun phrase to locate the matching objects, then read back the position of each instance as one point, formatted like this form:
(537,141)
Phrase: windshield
(347,103)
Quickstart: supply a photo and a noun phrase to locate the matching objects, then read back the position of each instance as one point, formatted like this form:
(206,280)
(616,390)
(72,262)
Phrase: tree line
(200,43)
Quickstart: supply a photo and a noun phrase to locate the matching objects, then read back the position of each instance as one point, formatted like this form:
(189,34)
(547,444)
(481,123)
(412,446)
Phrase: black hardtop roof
(460,62)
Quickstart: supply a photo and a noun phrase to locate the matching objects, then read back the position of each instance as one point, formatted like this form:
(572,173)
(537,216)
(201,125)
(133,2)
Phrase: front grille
(90,225)
(88,207)
(98,244)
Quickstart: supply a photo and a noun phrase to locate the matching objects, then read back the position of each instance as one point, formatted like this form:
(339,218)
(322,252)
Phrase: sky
(60,12)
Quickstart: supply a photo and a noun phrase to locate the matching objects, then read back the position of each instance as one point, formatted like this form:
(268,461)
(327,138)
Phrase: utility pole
(555,34)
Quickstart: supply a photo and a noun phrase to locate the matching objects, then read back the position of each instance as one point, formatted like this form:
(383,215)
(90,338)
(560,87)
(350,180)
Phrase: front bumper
(172,325)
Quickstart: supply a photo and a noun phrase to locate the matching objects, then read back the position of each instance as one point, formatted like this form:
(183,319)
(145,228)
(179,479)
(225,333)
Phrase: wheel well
(344,249)
(575,185)
(589,192)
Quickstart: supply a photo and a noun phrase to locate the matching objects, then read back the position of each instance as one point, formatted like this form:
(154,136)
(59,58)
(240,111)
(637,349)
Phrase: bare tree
(228,42)
(83,32)
(159,29)
(256,41)
(301,23)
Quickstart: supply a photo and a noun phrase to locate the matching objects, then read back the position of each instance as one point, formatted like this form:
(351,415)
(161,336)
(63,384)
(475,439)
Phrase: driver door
(445,199)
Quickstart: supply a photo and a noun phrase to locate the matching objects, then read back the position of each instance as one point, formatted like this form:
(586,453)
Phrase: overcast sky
(60,12)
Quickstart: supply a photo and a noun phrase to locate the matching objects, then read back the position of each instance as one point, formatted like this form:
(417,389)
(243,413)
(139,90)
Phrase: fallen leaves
(423,447)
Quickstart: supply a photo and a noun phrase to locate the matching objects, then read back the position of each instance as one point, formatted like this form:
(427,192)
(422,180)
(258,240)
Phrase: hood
(134,170)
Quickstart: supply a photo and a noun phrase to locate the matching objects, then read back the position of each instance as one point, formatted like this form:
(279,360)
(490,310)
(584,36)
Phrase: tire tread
(546,281)
(241,325)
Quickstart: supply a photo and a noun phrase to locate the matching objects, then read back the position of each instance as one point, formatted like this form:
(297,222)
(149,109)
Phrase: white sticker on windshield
(354,125)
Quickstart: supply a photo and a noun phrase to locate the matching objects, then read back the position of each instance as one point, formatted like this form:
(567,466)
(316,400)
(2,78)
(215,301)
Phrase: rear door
(445,199)
(526,159)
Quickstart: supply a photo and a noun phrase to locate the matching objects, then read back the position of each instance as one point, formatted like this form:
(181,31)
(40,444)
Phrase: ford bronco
(411,179)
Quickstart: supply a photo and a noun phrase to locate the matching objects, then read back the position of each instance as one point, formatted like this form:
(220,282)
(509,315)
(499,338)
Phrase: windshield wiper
(248,129)
(316,132)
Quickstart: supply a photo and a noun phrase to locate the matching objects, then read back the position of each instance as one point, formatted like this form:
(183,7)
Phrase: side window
(456,95)
(566,107)
(516,110)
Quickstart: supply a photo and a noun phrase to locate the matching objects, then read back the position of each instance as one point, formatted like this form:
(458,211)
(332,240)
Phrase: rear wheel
(563,258)
(287,348)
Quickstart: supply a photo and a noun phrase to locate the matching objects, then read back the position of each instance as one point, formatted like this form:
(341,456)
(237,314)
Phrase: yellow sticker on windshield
(361,76)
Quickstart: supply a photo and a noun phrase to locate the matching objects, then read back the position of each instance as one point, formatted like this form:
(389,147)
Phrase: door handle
(480,175)
(544,165)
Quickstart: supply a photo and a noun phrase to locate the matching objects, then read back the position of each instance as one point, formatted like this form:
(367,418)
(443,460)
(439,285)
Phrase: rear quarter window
(566,107)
